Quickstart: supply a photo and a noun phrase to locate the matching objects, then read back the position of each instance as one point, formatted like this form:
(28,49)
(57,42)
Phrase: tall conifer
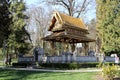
(5,21)
(108,24)
(18,39)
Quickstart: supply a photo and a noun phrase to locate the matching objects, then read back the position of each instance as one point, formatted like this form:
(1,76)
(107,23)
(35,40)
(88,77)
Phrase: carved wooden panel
(75,32)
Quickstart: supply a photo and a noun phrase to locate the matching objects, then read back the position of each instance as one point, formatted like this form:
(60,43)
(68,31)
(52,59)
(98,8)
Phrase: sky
(31,2)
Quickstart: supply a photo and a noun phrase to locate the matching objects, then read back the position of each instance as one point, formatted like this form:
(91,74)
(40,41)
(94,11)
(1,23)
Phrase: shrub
(73,66)
(106,63)
(21,65)
(109,71)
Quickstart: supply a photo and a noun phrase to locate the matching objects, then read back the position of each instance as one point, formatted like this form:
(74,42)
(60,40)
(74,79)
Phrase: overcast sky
(30,2)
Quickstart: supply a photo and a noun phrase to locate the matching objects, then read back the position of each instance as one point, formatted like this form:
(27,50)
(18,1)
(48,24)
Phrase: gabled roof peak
(66,19)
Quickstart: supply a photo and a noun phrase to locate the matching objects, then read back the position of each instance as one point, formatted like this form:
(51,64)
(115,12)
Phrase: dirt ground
(98,77)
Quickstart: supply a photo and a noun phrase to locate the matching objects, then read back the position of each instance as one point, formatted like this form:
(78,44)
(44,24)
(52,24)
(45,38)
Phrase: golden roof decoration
(65,19)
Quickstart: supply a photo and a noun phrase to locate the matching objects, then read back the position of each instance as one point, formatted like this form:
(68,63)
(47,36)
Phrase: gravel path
(52,70)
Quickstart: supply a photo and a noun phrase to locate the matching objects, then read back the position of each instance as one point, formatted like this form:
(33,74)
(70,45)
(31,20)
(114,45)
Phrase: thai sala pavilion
(68,30)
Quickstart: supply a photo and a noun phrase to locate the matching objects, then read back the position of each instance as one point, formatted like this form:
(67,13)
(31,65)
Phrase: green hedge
(70,65)
(73,65)
(21,65)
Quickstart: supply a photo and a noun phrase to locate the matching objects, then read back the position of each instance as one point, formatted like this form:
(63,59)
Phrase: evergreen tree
(18,39)
(4,21)
(108,24)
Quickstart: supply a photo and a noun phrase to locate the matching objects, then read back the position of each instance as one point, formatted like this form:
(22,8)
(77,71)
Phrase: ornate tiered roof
(68,29)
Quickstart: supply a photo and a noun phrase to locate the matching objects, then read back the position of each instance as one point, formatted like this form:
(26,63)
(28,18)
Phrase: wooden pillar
(73,47)
(52,48)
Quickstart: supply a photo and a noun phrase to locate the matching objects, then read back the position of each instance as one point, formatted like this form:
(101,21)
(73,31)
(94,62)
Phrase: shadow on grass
(14,75)
(20,75)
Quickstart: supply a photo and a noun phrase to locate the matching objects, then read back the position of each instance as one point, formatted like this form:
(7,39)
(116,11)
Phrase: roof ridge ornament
(58,14)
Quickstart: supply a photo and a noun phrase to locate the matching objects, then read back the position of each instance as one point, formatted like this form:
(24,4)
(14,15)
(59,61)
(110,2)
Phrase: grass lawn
(32,75)
(1,60)
(1,63)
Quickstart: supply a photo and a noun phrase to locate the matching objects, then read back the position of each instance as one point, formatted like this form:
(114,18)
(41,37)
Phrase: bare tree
(74,7)
(39,20)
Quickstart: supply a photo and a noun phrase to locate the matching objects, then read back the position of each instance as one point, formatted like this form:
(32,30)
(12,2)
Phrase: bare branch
(74,7)
(63,3)
(83,5)
(38,21)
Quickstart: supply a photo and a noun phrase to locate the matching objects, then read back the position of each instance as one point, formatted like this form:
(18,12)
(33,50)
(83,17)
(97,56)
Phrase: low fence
(86,59)
(68,59)
(29,59)
(65,59)
(109,59)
